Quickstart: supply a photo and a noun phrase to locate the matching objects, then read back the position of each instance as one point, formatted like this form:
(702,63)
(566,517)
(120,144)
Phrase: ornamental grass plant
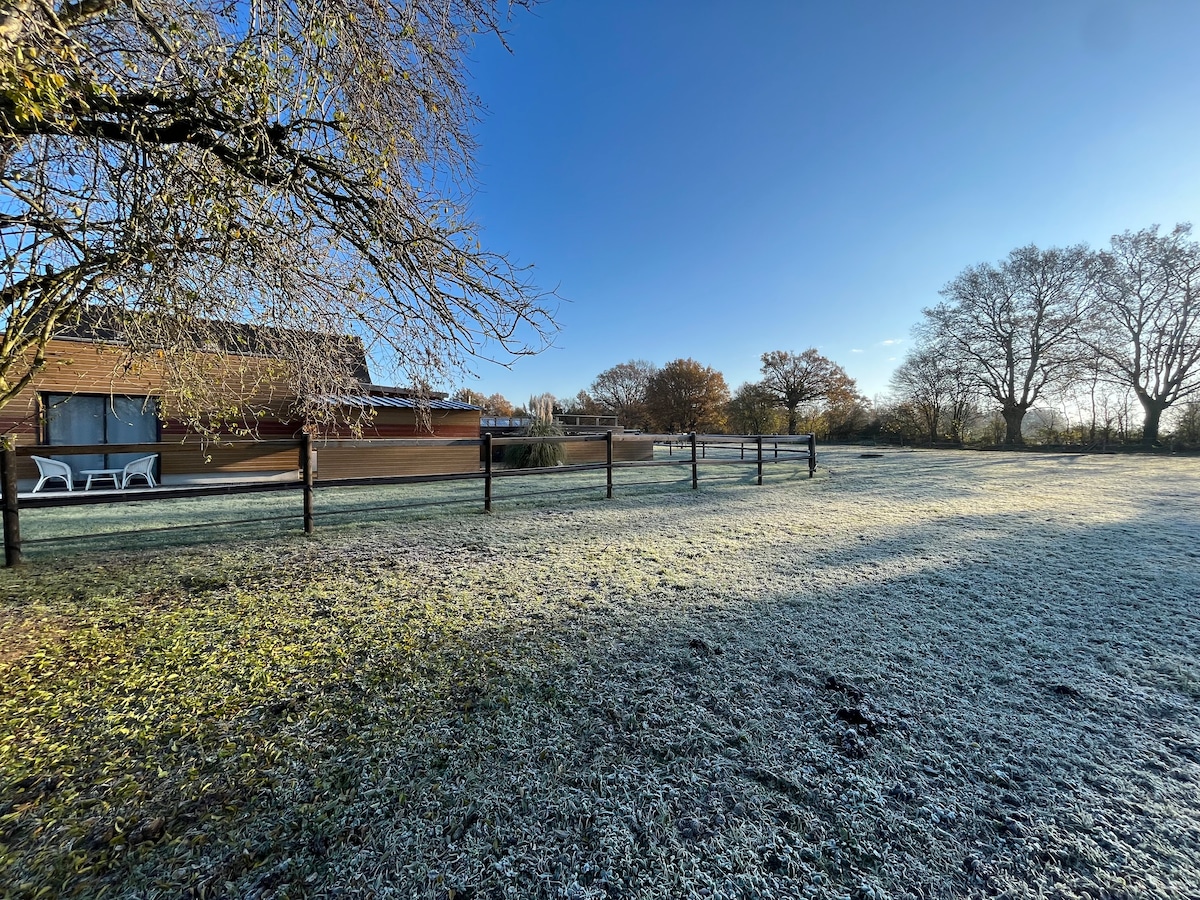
(540,455)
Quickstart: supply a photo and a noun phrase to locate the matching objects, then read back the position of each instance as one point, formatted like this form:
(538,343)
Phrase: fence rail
(795,448)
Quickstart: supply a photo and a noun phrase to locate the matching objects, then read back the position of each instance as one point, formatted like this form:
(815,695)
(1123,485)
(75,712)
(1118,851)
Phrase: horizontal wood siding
(368,461)
(626,450)
(241,458)
(78,367)
(403,423)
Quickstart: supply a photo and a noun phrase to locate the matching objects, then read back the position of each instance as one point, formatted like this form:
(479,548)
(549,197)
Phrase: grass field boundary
(694,453)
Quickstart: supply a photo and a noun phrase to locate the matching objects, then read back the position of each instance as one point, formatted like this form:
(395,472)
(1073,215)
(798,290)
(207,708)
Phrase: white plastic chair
(143,467)
(50,469)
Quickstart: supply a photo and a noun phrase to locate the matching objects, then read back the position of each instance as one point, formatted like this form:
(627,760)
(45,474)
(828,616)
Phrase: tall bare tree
(1015,325)
(685,396)
(584,404)
(920,382)
(296,164)
(934,384)
(806,377)
(1145,325)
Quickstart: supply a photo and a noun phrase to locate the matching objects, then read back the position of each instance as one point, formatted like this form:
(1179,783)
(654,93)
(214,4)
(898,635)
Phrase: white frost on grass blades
(925,675)
(1023,630)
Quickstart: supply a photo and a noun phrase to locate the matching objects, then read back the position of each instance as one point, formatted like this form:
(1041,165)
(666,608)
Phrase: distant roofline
(385,390)
(410,400)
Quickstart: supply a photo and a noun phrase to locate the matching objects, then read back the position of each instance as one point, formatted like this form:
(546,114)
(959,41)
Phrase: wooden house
(91,392)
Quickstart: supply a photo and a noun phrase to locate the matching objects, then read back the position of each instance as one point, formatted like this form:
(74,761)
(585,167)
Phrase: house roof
(376,401)
(387,390)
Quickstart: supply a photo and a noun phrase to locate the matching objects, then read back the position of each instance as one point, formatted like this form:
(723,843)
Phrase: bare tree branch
(197,167)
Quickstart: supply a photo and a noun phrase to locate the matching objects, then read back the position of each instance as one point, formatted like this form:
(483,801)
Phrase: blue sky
(717,180)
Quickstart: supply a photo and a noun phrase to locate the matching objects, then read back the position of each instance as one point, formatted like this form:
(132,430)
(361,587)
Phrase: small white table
(101,474)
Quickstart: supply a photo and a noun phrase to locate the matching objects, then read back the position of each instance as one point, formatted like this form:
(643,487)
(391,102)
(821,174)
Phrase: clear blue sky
(717,180)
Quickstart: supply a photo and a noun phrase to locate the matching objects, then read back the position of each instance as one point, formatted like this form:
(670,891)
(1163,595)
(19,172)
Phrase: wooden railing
(694,453)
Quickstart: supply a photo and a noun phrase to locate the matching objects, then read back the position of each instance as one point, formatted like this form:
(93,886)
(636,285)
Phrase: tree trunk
(793,420)
(1013,417)
(1154,410)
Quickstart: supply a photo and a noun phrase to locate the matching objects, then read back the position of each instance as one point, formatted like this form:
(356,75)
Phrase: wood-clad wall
(85,367)
(624,450)
(402,423)
(80,367)
(365,462)
(72,367)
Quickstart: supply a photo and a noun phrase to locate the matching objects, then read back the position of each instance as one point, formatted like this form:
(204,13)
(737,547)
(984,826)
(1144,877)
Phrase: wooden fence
(693,449)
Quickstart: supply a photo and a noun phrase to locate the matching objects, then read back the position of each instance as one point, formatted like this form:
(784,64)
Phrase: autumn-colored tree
(685,396)
(466,395)
(621,391)
(491,405)
(498,405)
(755,409)
(808,377)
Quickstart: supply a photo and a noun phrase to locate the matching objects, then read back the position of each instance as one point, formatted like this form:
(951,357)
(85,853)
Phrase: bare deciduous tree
(1015,325)
(302,166)
(1145,323)
(934,384)
(920,383)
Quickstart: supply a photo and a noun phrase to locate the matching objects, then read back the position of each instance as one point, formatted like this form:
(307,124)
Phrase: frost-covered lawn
(927,675)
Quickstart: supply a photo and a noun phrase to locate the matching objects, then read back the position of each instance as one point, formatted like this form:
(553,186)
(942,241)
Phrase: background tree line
(799,393)
(1062,344)
(1065,345)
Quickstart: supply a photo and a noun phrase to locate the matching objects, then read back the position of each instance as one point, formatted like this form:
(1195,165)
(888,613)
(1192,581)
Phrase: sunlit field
(926,674)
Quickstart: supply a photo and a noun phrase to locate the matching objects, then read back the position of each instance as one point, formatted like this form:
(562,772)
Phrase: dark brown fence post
(487,471)
(306,473)
(608,453)
(695,474)
(812,455)
(12,518)
(758,440)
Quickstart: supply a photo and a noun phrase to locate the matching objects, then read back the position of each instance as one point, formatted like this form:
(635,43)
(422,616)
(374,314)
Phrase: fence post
(695,478)
(12,518)
(487,471)
(608,454)
(758,440)
(306,471)
(777,449)
(812,454)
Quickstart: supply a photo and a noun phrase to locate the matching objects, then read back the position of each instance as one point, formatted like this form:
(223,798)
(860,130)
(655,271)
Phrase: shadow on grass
(474,715)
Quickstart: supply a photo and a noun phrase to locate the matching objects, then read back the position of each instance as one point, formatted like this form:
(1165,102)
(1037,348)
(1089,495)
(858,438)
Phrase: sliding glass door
(99,419)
